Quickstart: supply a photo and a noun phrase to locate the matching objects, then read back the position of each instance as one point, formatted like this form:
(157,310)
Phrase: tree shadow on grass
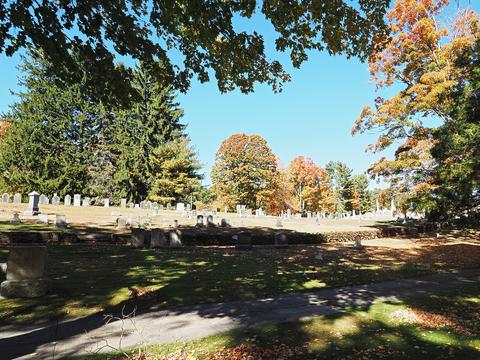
(113,277)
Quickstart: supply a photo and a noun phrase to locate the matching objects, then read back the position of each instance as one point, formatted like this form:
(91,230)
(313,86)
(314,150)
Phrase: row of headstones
(60,220)
(156,238)
(160,238)
(78,201)
(17,198)
(124,222)
(242,211)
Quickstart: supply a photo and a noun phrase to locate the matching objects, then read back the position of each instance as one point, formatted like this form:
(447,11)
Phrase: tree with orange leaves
(422,55)
(245,172)
(310,185)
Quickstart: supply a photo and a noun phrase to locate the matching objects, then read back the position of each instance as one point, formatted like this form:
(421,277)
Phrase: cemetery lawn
(437,326)
(92,278)
(7,225)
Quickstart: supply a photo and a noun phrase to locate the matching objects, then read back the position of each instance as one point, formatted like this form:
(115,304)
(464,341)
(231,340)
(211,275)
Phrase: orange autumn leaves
(3,126)
(310,183)
(422,57)
(247,172)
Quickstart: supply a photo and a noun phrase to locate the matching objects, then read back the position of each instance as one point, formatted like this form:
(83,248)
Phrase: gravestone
(32,207)
(158,239)
(357,242)
(123,203)
(131,205)
(25,272)
(137,206)
(121,222)
(55,199)
(106,202)
(145,221)
(199,223)
(67,200)
(44,200)
(86,202)
(169,206)
(138,237)
(280,240)
(77,200)
(149,204)
(175,238)
(180,207)
(17,198)
(244,240)
(5,198)
(189,207)
(155,205)
(61,221)
(42,219)
(16,218)
(210,222)
(142,204)
(175,224)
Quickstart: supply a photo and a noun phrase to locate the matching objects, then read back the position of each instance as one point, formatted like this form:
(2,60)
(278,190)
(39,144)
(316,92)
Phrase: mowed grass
(437,326)
(92,278)
(7,226)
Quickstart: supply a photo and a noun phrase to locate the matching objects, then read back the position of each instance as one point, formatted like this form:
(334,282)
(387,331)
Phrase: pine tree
(47,147)
(175,172)
(341,182)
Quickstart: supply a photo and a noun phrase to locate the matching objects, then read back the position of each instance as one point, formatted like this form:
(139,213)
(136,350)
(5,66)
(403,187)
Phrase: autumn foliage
(310,184)
(247,172)
(3,126)
(423,57)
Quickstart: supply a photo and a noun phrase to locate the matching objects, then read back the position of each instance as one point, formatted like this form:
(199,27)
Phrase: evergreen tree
(152,122)
(341,182)
(175,172)
(47,147)
(362,199)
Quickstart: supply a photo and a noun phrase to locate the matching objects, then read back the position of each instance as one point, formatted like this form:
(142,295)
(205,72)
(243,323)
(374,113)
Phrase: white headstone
(32,207)
(17,198)
(180,207)
(77,200)
(123,203)
(67,200)
(106,202)
(42,218)
(55,199)
(5,198)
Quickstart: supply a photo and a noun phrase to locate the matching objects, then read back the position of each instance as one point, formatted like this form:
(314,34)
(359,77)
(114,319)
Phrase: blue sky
(313,116)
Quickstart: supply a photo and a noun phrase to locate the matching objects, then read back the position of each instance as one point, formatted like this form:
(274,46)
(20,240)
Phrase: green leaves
(95,33)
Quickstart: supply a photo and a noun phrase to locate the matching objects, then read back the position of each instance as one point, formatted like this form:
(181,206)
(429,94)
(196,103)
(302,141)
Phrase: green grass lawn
(438,326)
(7,226)
(91,278)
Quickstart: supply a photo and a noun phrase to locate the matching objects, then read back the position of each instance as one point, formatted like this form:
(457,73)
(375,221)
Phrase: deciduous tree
(310,184)
(202,32)
(422,57)
(245,171)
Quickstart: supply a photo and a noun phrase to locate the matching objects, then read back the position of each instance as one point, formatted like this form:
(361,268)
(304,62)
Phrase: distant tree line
(58,139)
